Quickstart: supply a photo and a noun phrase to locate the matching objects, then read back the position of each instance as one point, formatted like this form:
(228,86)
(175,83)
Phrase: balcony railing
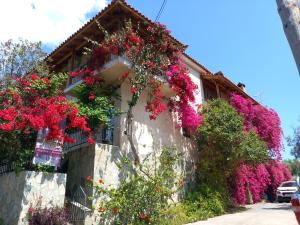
(81,138)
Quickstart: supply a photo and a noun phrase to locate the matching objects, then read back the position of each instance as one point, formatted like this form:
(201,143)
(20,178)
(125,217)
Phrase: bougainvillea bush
(261,178)
(152,55)
(32,103)
(222,140)
(250,178)
(264,121)
(278,173)
(234,153)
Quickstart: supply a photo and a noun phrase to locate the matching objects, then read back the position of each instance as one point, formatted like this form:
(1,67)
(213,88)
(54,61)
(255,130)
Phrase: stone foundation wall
(18,193)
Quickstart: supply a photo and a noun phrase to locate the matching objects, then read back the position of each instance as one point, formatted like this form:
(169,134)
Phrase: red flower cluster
(134,90)
(24,109)
(159,58)
(87,76)
(156,106)
(92,95)
(115,210)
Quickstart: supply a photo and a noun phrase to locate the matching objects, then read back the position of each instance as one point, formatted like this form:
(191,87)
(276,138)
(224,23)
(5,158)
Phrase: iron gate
(78,205)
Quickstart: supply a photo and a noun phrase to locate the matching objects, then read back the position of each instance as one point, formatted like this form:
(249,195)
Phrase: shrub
(144,196)
(200,204)
(261,178)
(256,178)
(207,201)
(223,142)
(219,136)
(230,155)
(278,174)
(48,216)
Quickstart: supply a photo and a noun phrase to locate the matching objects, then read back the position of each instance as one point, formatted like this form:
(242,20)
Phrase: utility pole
(289,12)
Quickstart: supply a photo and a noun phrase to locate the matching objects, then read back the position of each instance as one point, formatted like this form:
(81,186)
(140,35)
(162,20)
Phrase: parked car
(286,190)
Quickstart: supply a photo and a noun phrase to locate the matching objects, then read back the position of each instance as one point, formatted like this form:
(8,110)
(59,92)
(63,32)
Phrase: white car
(286,190)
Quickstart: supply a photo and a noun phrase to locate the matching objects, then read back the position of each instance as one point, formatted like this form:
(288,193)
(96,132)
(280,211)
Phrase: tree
(289,12)
(294,142)
(19,57)
(223,142)
(293,165)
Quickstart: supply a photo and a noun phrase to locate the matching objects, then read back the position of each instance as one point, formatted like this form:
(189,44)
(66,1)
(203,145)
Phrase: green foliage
(205,202)
(223,142)
(101,109)
(221,127)
(294,142)
(293,165)
(17,149)
(23,161)
(9,146)
(208,201)
(219,138)
(253,149)
(143,197)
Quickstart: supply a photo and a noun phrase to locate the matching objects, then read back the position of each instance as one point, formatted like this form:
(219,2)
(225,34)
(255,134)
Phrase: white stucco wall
(152,135)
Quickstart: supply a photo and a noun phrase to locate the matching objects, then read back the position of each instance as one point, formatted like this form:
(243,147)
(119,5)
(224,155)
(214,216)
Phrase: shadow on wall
(11,196)
(27,189)
(80,165)
(152,135)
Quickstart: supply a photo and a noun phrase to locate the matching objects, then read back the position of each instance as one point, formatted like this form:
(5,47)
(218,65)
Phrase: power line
(161,10)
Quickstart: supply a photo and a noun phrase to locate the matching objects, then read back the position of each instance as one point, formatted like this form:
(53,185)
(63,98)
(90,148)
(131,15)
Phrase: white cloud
(49,21)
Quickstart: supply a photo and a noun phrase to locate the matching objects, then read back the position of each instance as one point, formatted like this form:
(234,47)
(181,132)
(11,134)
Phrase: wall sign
(47,152)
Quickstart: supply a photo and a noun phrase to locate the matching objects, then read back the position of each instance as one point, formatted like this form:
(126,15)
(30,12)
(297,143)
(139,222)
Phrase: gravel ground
(258,214)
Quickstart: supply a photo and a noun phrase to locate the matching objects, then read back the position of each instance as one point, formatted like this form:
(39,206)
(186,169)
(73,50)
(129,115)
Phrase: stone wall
(18,193)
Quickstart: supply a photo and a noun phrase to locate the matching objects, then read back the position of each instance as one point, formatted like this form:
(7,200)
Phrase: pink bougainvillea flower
(264,121)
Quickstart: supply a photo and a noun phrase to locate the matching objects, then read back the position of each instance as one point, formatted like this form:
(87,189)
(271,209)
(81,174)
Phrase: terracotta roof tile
(101,13)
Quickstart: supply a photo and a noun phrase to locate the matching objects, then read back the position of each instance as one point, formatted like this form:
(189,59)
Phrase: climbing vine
(155,60)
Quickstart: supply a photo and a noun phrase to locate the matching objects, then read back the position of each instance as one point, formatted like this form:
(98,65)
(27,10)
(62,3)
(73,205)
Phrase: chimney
(242,86)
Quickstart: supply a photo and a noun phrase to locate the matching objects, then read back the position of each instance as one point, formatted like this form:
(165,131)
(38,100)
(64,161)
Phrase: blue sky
(243,39)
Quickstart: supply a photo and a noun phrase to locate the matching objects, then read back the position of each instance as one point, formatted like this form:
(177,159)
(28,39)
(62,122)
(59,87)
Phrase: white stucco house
(98,160)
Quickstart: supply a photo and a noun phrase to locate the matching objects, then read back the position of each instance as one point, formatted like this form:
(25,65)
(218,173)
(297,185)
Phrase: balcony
(111,72)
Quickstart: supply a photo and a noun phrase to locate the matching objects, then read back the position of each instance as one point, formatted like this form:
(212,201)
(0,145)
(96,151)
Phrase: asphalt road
(258,214)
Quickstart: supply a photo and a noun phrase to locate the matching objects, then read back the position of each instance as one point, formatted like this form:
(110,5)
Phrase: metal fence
(6,167)
(78,206)
(80,137)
